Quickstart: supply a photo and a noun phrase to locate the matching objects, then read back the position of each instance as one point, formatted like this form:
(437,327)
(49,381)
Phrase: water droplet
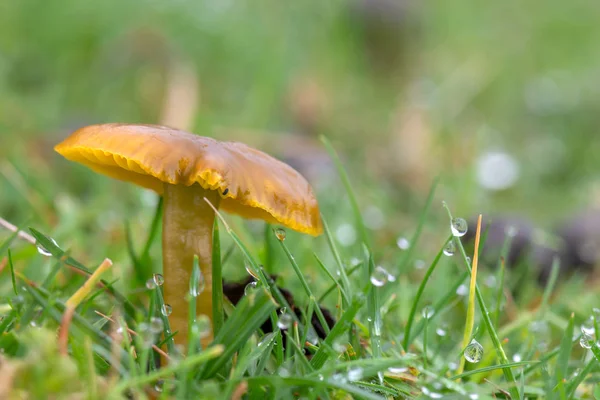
(33,324)
(339,378)
(339,345)
(586,341)
(427,312)
(469,260)
(441,332)
(450,248)
(474,352)
(283,372)
(458,227)
(43,251)
(146,334)
(251,272)
(403,243)
(204,326)
(380,276)
(159,386)
(596,312)
(166,310)
(250,288)
(346,235)
(150,284)
(462,290)
(497,170)
(354,261)
(419,264)
(517,357)
(452,366)
(158,279)
(588,326)
(200,285)
(280,233)
(285,321)
(397,370)
(490,281)
(156,325)
(321,378)
(312,337)
(473,396)
(355,374)
(430,394)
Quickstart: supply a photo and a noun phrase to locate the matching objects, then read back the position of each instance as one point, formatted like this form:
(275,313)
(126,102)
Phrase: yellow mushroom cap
(251,183)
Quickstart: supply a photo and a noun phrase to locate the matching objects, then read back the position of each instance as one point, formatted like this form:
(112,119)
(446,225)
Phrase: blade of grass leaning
(217,280)
(372,295)
(585,372)
(258,272)
(247,317)
(441,303)
(304,284)
(153,232)
(413,310)
(336,256)
(470,322)
(562,362)
(549,287)
(506,246)
(508,374)
(51,246)
(420,224)
(12,273)
(341,327)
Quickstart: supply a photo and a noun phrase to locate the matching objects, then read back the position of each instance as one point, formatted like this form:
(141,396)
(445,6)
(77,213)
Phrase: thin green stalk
(508,374)
(304,284)
(217,280)
(470,320)
(413,310)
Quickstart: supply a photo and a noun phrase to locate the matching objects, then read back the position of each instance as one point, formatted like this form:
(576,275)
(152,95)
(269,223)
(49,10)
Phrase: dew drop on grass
(586,341)
(339,345)
(441,332)
(166,310)
(588,326)
(250,271)
(462,290)
(150,284)
(43,251)
(204,326)
(284,321)
(397,370)
(380,276)
(459,227)
(430,394)
(403,243)
(145,333)
(250,288)
(199,286)
(156,325)
(159,386)
(474,396)
(355,374)
(517,357)
(158,279)
(452,366)
(474,352)
(450,248)
(427,312)
(280,234)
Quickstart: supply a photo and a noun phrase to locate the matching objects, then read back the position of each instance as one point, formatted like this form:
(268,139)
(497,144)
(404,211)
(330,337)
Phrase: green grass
(402,137)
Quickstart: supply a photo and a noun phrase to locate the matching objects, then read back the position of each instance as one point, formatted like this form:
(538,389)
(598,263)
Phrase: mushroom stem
(187,231)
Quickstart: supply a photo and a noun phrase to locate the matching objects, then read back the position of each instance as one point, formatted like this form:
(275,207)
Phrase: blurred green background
(499,99)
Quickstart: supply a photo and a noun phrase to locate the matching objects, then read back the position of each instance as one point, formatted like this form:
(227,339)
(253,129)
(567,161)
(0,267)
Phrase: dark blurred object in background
(234,291)
(581,235)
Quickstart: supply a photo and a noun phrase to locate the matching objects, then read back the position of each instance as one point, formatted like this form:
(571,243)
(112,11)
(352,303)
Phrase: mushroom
(189,171)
